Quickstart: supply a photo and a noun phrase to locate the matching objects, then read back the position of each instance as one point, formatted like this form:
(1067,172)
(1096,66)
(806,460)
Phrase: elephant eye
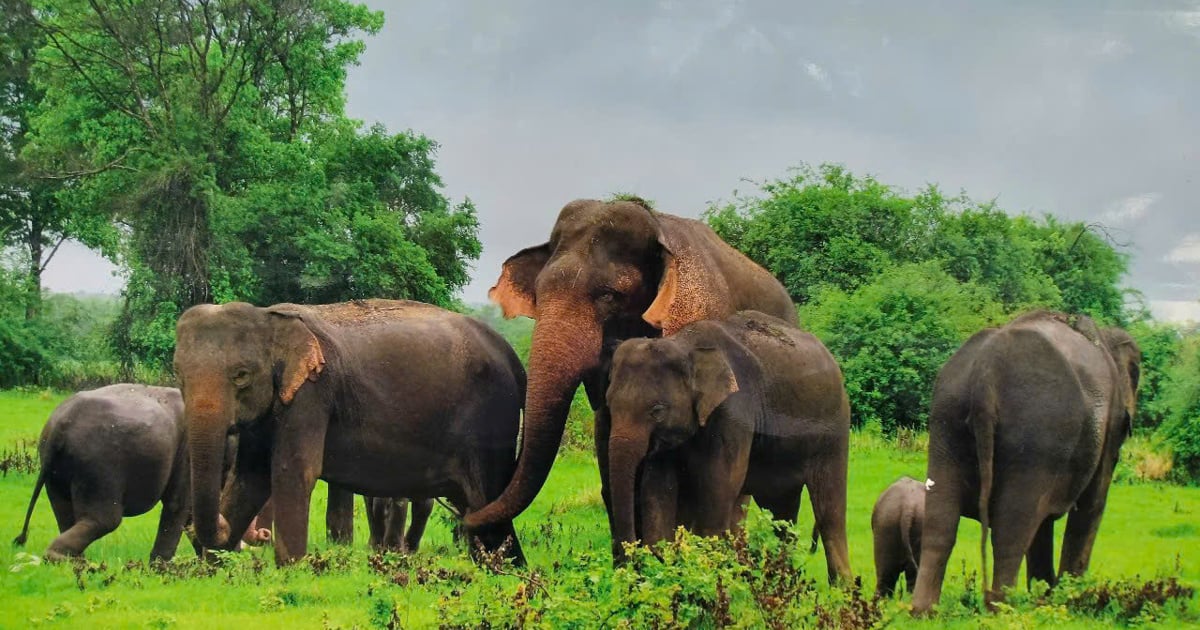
(241,377)
(657,411)
(608,296)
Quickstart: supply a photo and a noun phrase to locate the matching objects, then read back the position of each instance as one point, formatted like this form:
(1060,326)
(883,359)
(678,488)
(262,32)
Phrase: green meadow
(1150,530)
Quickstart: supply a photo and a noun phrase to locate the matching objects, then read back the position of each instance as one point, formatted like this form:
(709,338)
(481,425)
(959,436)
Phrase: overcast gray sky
(1087,109)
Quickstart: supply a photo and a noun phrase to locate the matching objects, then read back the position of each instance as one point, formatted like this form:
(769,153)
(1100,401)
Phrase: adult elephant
(610,271)
(380,397)
(1026,426)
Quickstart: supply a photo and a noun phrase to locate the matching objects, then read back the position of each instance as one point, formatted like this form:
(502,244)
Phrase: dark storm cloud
(1086,109)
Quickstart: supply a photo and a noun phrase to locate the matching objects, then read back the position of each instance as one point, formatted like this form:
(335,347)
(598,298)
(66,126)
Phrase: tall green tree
(31,218)
(219,139)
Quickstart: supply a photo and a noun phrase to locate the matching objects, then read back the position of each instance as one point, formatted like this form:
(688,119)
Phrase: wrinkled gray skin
(896,523)
(386,519)
(1026,427)
(109,453)
(379,397)
(748,406)
(610,271)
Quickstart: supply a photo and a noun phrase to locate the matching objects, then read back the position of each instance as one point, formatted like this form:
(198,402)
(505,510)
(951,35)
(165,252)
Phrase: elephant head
(235,363)
(611,271)
(1128,358)
(661,393)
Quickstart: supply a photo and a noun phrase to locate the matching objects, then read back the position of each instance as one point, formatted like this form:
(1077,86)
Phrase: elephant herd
(706,394)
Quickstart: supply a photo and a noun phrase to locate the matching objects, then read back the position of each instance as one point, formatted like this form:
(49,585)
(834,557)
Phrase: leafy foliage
(1181,397)
(892,335)
(894,283)
(216,132)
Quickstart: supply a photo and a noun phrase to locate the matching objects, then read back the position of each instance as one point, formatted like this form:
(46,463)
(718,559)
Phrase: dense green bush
(1181,397)
(1160,344)
(891,337)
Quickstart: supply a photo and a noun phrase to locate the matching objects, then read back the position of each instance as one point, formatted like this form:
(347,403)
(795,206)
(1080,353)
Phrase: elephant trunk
(208,421)
(625,455)
(563,348)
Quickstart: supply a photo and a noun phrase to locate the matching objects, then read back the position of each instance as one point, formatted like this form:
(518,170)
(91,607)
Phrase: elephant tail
(906,521)
(19,541)
(983,423)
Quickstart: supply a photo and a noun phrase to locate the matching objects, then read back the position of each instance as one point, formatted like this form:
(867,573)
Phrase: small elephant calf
(386,519)
(113,452)
(896,524)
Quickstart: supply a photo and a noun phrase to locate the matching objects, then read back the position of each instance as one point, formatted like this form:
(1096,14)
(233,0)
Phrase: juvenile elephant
(1026,426)
(611,271)
(379,397)
(386,519)
(109,453)
(745,406)
(896,523)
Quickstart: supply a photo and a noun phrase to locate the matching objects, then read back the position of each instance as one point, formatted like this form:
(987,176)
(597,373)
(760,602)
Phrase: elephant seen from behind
(1026,426)
(109,453)
(748,406)
(896,523)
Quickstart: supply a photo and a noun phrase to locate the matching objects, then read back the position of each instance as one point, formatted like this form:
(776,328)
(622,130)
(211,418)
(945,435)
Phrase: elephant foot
(56,555)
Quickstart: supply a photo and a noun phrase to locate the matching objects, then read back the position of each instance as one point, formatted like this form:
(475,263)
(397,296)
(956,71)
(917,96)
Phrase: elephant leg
(171,521)
(295,466)
(658,504)
(376,520)
(910,576)
(421,510)
(828,491)
(95,517)
(602,426)
(1039,560)
(1014,525)
(64,510)
(397,518)
(783,506)
(1083,523)
(884,550)
(292,497)
(243,498)
(737,516)
(943,507)
(339,516)
(486,480)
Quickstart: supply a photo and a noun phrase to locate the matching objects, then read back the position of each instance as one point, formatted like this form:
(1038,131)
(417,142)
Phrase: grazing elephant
(745,406)
(109,453)
(379,397)
(386,518)
(896,525)
(611,271)
(1026,426)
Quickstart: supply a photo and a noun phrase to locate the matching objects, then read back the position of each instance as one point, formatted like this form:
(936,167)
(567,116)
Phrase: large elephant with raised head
(1026,426)
(380,397)
(610,271)
(748,406)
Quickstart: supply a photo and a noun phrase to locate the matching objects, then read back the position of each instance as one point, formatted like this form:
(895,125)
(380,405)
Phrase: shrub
(891,337)
(1181,396)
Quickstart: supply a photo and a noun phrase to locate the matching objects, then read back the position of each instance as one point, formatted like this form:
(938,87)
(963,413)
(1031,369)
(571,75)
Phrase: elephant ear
(712,381)
(297,348)
(514,291)
(690,289)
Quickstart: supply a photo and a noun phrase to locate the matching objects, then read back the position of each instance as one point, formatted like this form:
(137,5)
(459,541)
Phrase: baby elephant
(386,519)
(896,524)
(722,409)
(109,453)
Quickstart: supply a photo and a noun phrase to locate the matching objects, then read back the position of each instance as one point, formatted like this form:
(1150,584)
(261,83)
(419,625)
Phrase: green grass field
(1149,530)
